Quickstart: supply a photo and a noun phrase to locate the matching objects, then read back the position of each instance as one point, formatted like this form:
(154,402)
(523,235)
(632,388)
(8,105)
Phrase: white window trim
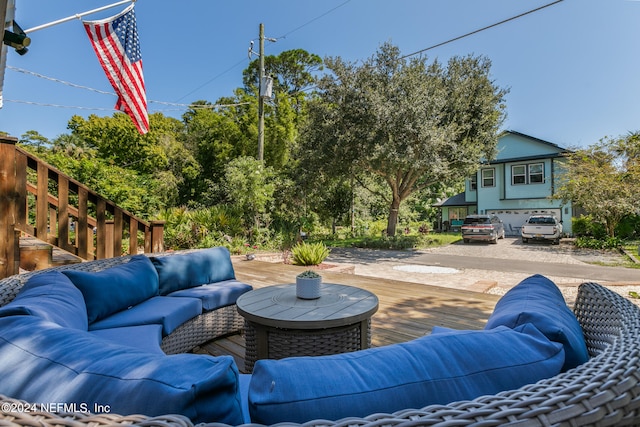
(493,177)
(527,174)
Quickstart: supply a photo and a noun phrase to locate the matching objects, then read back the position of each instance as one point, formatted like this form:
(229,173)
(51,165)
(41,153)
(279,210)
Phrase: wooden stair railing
(26,204)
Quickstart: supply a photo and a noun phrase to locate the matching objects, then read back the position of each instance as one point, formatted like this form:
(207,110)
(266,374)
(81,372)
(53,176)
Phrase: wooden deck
(407,310)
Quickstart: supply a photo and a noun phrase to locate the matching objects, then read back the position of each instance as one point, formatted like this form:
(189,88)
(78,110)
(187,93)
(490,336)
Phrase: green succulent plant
(308,274)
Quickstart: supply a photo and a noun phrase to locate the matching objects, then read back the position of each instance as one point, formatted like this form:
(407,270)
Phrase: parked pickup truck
(542,227)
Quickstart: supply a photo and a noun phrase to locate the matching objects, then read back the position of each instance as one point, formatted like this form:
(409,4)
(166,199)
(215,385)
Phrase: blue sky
(571,68)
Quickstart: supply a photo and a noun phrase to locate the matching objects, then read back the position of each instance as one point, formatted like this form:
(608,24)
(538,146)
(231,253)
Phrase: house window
(488,177)
(519,174)
(473,182)
(527,174)
(536,173)
(456,214)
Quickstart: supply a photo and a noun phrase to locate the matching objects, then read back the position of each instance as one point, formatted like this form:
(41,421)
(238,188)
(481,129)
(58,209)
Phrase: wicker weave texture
(292,342)
(199,330)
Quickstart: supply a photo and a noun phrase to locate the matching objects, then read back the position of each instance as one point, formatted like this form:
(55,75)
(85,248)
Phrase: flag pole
(77,16)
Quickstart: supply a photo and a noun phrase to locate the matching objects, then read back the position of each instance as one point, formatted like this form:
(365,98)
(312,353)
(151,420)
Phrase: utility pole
(265,86)
(260,97)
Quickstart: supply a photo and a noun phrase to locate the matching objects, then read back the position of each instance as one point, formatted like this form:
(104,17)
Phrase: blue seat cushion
(538,300)
(245,380)
(144,337)
(215,295)
(116,288)
(434,369)
(166,311)
(196,268)
(51,296)
(43,362)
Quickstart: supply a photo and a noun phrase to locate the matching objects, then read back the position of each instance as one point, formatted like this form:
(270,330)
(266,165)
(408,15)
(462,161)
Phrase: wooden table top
(278,306)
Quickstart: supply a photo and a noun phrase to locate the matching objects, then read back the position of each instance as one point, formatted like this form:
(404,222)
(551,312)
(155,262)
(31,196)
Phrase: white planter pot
(308,288)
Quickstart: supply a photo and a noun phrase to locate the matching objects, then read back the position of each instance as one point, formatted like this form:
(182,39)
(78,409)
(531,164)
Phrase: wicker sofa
(198,330)
(100,328)
(603,391)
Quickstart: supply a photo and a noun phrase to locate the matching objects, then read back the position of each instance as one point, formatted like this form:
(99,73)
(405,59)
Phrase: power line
(57,105)
(195,107)
(313,20)
(212,79)
(481,29)
(242,61)
(281,37)
(53,79)
(102,92)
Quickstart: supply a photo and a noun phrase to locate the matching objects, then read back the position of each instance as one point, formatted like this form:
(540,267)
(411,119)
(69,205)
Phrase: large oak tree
(406,122)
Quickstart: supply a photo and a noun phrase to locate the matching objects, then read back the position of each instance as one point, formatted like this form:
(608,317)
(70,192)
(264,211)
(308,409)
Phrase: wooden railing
(40,200)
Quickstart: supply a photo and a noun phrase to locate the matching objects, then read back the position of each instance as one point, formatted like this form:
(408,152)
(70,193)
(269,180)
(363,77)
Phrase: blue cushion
(144,337)
(215,295)
(245,380)
(43,362)
(117,288)
(166,311)
(433,369)
(51,296)
(538,300)
(196,268)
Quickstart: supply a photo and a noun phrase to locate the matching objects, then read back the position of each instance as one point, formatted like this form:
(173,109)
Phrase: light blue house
(519,182)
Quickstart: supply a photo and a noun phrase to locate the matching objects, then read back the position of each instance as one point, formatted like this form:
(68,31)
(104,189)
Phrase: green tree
(407,123)
(294,72)
(249,184)
(33,139)
(216,136)
(604,180)
(127,188)
(294,78)
(159,156)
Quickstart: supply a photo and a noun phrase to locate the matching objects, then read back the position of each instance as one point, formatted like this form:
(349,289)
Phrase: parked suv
(482,227)
(542,227)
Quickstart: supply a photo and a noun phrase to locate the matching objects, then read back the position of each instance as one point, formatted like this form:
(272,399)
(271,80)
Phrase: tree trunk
(393,217)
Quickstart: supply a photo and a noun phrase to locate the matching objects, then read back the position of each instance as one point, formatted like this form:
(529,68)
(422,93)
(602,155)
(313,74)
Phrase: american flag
(115,41)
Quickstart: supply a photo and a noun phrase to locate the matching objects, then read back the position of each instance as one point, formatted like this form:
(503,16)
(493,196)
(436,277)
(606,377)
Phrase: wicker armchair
(604,391)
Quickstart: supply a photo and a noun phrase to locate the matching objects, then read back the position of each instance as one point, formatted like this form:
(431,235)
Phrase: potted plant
(308,285)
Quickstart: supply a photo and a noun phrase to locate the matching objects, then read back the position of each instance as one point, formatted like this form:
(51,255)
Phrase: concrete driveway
(492,268)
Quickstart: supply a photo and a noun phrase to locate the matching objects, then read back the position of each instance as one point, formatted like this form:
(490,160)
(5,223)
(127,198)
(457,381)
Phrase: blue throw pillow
(51,296)
(42,362)
(434,369)
(196,268)
(538,300)
(117,288)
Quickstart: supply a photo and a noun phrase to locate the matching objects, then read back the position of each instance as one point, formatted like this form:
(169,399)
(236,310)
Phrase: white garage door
(513,219)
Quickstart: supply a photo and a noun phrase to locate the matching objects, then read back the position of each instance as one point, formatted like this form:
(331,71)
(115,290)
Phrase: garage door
(513,219)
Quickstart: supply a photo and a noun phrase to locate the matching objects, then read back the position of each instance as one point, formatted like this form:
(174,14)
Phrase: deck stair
(47,218)
(37,255)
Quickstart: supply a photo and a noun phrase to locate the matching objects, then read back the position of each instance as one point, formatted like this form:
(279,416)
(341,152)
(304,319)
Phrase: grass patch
(632,248)
(399,242)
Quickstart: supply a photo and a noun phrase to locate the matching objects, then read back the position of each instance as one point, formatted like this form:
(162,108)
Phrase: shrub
(629,227)
(309,253)
(591,243)
(587,226)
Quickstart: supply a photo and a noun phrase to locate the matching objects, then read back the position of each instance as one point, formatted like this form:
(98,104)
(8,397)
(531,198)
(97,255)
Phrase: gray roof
(457,200)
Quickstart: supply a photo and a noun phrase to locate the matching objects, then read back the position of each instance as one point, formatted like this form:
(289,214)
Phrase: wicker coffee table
(278,324)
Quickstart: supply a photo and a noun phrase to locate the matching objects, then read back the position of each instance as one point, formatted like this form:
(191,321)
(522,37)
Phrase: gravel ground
(398,265)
